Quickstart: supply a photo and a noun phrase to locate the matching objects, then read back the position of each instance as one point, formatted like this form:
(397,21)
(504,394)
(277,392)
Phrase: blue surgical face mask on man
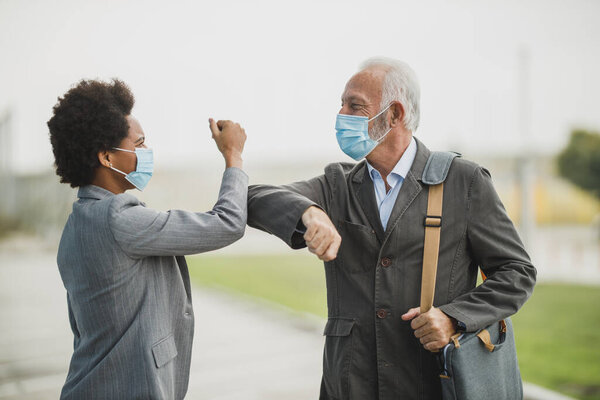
(352,133)
(143,170)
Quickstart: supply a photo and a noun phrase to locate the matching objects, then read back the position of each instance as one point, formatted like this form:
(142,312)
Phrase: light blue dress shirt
(385,201)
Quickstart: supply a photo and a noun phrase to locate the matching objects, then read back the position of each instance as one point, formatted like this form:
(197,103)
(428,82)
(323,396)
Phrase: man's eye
(355,106)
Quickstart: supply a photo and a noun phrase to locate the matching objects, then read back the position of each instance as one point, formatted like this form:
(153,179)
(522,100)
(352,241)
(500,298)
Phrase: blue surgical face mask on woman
(352,133)
(143,170)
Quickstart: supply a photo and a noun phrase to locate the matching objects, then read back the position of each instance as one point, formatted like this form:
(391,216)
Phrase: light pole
(7,200)
(525,165)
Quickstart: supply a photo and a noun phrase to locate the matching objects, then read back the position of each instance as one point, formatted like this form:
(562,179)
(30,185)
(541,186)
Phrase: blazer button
(386,262)
(381,313)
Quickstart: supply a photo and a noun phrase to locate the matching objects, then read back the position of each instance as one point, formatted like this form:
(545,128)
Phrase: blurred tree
(579,162)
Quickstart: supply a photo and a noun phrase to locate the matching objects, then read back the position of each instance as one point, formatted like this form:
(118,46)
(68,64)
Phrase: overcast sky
(279,68)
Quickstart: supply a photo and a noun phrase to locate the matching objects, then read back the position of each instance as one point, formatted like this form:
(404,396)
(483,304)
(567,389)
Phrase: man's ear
(104,158)
(397,113)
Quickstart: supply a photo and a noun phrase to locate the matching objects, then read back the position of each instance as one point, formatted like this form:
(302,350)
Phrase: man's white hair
(400,84)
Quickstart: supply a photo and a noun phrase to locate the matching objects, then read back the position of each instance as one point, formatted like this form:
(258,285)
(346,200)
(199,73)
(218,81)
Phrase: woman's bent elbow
(236,230)
(232,227)
(239,232)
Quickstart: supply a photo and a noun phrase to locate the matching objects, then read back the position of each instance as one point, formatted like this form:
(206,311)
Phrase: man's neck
(385,156)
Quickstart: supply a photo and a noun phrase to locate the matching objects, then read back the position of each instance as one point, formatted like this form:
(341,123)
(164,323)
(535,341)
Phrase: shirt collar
(401,168)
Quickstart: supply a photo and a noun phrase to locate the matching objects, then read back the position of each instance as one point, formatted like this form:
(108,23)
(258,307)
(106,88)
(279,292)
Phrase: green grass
(295,281)
(557,331)
(558,339)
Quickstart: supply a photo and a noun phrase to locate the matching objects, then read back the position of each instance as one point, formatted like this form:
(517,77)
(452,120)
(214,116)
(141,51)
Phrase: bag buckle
(432,221)
(441,364)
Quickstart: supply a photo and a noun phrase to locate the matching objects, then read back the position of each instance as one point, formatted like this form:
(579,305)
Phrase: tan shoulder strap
(433,227)
(431,250)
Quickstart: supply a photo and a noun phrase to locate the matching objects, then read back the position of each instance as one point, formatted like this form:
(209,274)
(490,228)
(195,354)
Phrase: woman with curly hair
(128,287)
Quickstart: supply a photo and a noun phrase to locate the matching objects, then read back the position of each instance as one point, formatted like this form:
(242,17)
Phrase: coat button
(386,262)
(381,313)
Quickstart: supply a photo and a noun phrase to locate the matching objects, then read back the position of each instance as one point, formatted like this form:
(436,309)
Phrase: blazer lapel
(411,187)
(365,192)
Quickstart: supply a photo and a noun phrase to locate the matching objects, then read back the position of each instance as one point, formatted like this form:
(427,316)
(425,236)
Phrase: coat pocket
(337,356)
(164,350)
(358,251)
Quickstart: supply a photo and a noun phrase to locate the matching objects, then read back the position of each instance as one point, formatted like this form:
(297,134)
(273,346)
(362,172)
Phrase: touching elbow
(238,232)
(232,225)
(236,229)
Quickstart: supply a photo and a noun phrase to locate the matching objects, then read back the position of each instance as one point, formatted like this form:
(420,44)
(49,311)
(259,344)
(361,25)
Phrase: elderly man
(365,221)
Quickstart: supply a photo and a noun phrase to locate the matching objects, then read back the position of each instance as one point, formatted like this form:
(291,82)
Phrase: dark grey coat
(370,353)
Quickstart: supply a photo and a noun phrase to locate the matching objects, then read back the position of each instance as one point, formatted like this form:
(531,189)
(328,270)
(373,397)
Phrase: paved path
(242,350)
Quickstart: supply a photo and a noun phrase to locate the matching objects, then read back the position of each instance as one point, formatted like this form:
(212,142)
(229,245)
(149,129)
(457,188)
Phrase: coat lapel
(410,189)
(365,192)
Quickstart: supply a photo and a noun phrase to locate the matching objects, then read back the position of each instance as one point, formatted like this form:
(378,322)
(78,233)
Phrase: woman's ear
(397,113)
(104,158)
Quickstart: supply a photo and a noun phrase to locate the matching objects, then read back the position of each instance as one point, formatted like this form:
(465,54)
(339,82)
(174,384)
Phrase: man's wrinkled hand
(433,328)
(321,237)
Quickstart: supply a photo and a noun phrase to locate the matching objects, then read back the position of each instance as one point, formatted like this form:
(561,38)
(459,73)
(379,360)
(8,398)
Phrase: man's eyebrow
(354,98)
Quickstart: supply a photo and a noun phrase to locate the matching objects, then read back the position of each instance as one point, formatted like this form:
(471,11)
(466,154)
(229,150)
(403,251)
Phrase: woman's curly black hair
(88,119)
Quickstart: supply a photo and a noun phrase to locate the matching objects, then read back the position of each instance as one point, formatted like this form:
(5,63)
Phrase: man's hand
(321,236)
(433,328)
(230,138)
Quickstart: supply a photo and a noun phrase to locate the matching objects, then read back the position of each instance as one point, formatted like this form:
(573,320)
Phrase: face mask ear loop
(114,169)
(119,171)
(384,135)
(380,112)
(120,149)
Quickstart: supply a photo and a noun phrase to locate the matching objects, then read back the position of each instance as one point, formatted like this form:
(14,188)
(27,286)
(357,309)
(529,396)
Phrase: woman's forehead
(135,128)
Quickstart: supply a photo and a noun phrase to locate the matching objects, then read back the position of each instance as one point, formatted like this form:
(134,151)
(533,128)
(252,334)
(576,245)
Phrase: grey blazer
(370,352)
(128,289)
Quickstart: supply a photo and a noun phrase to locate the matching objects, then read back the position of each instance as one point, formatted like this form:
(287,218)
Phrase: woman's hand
(230,138)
